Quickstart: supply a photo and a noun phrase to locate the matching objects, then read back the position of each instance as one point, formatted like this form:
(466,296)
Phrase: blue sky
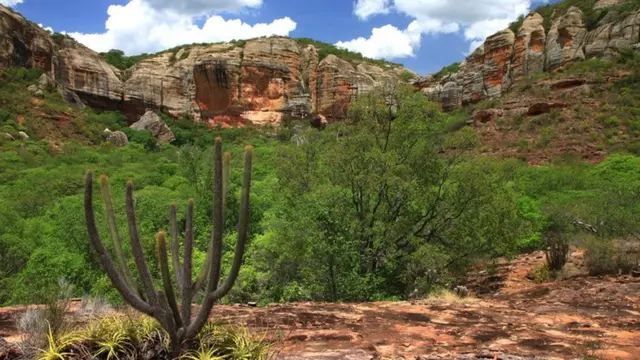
(424,35)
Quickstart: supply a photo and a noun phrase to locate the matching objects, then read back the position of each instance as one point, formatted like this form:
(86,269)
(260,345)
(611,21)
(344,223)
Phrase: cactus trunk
(163,304)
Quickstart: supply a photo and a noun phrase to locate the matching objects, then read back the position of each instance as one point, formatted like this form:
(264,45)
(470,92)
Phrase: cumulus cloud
(140,26)
(366,8)
(196,7)
(11,2)
(474,19)
(390,42)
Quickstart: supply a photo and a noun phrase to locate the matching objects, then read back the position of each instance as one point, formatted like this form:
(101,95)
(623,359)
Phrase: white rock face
(151,122)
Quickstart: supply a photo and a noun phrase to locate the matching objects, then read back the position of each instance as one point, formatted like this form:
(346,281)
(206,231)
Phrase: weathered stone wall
(506,57)
(219,84)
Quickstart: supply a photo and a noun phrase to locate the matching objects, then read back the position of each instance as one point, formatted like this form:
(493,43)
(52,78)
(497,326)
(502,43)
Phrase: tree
(163,304)
(367,194)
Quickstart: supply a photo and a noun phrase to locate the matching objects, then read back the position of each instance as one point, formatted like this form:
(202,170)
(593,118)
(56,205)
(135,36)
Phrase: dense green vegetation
(376,207)
(447,70)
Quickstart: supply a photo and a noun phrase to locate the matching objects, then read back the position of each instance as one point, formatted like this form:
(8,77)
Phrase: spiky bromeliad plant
(163,304)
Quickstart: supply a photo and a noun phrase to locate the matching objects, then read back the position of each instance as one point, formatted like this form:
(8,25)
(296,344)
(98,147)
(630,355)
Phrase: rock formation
(151,122)
(118,138)
(506,57)
(260,80)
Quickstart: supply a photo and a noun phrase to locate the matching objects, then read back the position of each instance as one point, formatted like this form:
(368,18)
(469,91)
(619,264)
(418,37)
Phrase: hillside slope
(569,31)
(256,80)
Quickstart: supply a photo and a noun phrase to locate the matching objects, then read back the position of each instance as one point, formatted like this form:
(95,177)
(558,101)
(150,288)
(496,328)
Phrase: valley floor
(581,317)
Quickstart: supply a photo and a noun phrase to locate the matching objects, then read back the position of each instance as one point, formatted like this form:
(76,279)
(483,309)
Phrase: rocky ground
(580,317)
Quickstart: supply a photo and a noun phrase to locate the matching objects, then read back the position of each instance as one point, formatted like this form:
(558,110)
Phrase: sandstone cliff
(257,81)
(506,57)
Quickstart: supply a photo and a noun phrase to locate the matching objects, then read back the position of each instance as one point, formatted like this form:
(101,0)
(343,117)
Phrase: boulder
(45,82)
(23,136)
(39,93)
(8,136)
(151,122)
(118,139)
(450,96)
(319,122)
(32,89)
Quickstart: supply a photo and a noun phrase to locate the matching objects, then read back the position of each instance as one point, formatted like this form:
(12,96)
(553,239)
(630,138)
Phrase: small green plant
(546,136)
(447,70)
(57,347)
(540,274)
(406,75)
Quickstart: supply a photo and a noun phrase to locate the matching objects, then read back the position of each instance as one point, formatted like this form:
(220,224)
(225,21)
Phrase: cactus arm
(206,268)
(226,178)
(187,270)
(136,247)
(103,256)
(216,242)
(243,229)
(218,219)
(114,233)
(175,245)
(161,247)
(214,294)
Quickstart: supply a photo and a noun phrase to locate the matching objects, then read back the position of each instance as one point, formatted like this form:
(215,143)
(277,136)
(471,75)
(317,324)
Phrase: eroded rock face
(497,54)
(566,39)
(263,81)
(529,48)
(505,58)
(151,122)
(22,43)
(84,72)
(220,84)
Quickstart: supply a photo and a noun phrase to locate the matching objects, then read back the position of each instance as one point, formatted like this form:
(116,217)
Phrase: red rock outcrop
(529,48)
(503,59)
(229,84)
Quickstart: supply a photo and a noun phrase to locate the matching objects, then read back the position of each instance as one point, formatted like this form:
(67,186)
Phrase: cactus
(163,304)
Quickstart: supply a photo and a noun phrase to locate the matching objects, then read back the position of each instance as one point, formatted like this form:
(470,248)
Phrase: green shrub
(604,256)
(21,75)
(406,75)
(142,137)
(447,70)
(540,274)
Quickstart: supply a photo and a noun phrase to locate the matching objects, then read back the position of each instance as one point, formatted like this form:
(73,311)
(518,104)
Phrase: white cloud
(385,42)
(390,42)
(11,2)
(197,7)
(476,18)
(48,28)
(366,8)
(139,27)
